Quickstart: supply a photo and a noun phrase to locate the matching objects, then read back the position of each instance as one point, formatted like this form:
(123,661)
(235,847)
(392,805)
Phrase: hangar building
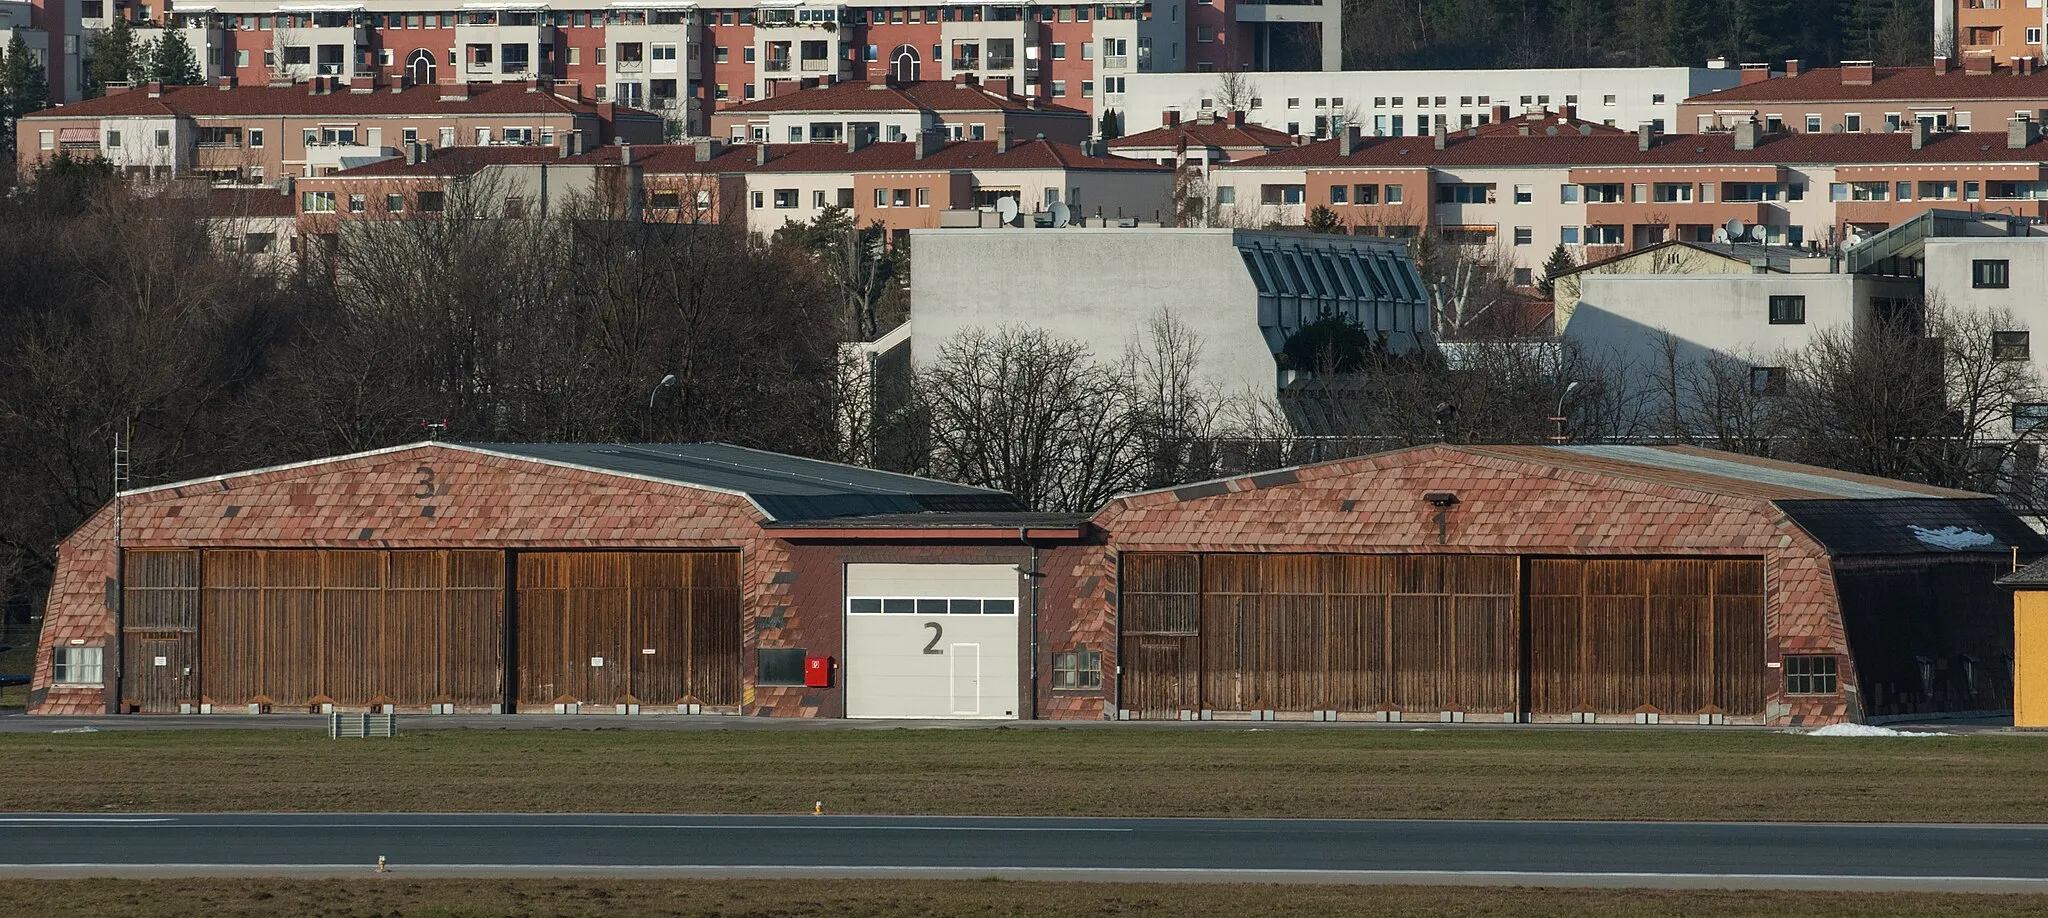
(1509,583)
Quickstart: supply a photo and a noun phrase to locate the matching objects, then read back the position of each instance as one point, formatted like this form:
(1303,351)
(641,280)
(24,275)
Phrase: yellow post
(2030,658)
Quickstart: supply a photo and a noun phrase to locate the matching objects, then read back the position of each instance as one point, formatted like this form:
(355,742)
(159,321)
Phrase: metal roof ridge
(842,465)
(282,467)
(484,449)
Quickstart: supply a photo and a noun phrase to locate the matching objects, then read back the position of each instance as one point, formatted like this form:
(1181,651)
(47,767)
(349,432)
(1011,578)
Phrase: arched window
(903,65)
(419,68)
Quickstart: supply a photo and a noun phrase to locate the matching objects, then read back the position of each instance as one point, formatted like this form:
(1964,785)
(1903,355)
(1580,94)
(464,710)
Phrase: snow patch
(1954,538)
(77,730)
(1865,730)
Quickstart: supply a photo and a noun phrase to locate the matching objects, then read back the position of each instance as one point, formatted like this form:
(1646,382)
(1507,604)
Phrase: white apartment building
(1404,103)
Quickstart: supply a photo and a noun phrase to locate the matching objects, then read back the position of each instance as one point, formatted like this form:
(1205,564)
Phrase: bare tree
(1235,91)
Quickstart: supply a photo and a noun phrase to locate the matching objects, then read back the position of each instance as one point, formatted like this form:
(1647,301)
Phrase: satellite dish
(1060,213)
(1735,229)
(1006,208)
(1720,235)
(1756,234)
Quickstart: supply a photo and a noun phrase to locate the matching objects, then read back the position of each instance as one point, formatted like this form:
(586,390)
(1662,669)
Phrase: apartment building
(256,134)
(1207,138)
(1523,190)
(1407,103)
(963,108)
(1858,98)
(55,34)
(2001,29)
(689,59)
(903,186)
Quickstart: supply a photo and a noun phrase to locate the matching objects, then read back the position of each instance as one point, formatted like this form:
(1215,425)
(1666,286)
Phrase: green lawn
(401,898)
(20,659)
(1505,774)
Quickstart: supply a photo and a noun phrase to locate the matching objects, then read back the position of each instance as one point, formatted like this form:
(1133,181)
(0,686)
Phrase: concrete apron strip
(1084,874)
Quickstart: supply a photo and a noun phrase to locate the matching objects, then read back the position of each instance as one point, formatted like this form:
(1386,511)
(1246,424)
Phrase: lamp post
(667,382)
(1559,418)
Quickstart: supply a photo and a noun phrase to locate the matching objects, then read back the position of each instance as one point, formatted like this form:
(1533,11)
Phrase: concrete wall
(1100,286)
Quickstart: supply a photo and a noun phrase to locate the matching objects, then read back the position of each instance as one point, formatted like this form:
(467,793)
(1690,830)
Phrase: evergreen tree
(23,90)
(113,57)
(1111,126)
(171,61)
(1560,263)
(1324,220)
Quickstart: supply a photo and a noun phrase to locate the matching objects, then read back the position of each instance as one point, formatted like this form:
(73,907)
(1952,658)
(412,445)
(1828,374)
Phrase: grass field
(396,897)
(1494,774)
(20,658)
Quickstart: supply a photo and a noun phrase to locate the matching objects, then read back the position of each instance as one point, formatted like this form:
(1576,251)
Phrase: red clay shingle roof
(1889,84)
(209,101)
(927,95)
(1668,150)
(793,157)
(454,161)
(1221,134)
(246,202)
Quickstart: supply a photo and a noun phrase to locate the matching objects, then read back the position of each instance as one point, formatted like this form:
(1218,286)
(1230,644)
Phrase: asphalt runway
(1667,855)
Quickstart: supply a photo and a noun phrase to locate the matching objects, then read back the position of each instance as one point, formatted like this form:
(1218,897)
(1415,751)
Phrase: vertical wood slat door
(1160,649)
(1611,636)
(605,627)
(160,621)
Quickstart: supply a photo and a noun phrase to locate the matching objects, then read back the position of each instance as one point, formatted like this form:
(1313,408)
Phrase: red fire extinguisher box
(818,672)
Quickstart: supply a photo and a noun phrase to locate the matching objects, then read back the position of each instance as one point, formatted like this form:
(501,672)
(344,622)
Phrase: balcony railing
(816,65)
(625,66)
(776,65)
(1116,61)
(967,63)
(1002,63)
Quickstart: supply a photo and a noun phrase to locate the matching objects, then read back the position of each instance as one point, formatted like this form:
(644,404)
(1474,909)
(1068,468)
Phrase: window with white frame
(77,666)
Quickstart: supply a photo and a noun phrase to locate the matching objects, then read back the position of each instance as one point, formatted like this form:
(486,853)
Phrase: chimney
(1443,137)
(1755,73)
(929,142)
(2019,133)
(857,139)
(1646,135)
(154,88)
(227,83)
(1979,64)
(1919,134)
(1522,129)
(1347,141)
(1169,118)
(412,153)
(761,153)
(707,149)
(575,143)
(1745,134)
(1859,73)
(960,79)
(1237,119)
(286,186)
(1000,85)
(1088,148)
(769,87)
(1792,67)
(625,154)
(562,145)
(1941,63)
(1003,136)
(1500,114)
(1567,113)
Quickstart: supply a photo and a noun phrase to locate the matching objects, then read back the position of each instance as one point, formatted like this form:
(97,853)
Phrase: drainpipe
(1024,536)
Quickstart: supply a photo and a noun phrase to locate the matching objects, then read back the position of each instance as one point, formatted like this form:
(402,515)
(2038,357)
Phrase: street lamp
(1559,417)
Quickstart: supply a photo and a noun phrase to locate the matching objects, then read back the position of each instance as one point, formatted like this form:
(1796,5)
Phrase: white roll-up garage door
(931,640)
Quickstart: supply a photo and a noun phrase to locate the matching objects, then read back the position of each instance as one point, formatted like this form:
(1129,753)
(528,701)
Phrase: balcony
(817,65)
(775,65)
(1116,61)
(635,66)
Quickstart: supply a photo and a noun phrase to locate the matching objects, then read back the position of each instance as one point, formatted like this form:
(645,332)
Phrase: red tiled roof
(1572,149)
(927,95)
(792,157)
(1221,134)
(246,202)
(1889,84)
(209,101)
(454,161)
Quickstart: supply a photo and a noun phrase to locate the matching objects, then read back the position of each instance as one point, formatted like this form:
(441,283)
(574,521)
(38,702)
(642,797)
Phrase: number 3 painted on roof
(426,482)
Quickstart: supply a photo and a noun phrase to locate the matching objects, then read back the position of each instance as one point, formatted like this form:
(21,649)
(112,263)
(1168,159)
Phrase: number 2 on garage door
(938,631)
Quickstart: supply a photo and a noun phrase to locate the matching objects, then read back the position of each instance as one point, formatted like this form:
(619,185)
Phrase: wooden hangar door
(629,628)
(1421,634)
(295,628)
(1677,636)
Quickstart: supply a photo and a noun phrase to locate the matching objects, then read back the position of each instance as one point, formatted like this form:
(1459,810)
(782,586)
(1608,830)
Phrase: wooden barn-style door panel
(609,627)
(1302,632)
(1613,636)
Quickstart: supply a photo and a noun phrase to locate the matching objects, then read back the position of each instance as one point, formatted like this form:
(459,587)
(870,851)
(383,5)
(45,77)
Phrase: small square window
(1810,675)
(77,666)
(1525,235)
(1788,310)
(1767,380)
(1077,671)
(1990,274)
(780,666)
(2029,416)
(2012,345)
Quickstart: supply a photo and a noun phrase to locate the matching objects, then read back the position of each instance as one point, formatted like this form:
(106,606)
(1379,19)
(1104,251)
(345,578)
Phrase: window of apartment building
(2012,345)
(163,138)
(1340,194)
(1973,191)
(1393,194)
(1525,277)
(1656,98)
(665,200)
(1603,194)
(77,666)
(881,197)
(1059,50)
(2016,191)
(394,203)
(746,54)
(1079,671)
(721,91)
(1639,193)
(1788,310)
(1903,191)
(1568,235)
(1059,89)
(447,137)
(1767,380)
(796,134)
(2033,35)
(1087,89)
(255,136)
(1990,273)
(1525,235)
(1813,124)
(1365,194)
(1810,674)
(357,204)
(1525,194)
(899,197)
(46,140)
(924,197)
(1604,235)
(2029,416)
(1294,103)
(785,198)
(818,198)
(845,197)
(1673,193)
(1567,194)
(318,202)
(1280,194)
(1465,193)
(113,140)
(1853,123)
(1891,121)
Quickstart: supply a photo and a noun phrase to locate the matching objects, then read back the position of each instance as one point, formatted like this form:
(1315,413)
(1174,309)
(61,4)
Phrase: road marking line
(1254,871)
(793,827)
(82,819)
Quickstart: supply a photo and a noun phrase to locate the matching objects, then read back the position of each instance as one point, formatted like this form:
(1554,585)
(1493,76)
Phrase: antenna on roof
(1060,214)
(1006,208)
(1756,234)
(1735,230)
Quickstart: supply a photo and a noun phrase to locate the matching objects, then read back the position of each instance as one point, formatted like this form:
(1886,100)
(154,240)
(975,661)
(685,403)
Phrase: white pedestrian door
(932,640)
